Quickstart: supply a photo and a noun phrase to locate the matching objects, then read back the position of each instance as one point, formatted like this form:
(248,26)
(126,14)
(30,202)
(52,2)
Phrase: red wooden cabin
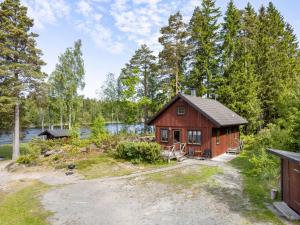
(205,125)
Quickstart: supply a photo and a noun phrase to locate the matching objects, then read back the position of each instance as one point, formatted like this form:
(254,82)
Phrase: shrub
(26,159)
(139,151)
(31,154)
(99,132)
(75,132)
(263,164)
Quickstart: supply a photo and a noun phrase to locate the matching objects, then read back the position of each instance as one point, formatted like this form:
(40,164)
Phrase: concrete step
(286,211)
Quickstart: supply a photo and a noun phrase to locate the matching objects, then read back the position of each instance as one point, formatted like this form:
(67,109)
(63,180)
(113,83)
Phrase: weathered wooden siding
(193,120)
(290,184)
(229,138)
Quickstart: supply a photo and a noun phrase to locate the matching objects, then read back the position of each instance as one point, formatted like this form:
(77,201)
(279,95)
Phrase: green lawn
(105,165)
(6,150)
(23,207)
(186,177)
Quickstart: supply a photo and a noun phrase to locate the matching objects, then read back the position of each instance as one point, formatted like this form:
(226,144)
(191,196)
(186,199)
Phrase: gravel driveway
(136,200)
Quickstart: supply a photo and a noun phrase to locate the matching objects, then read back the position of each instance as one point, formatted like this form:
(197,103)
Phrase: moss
(23,207)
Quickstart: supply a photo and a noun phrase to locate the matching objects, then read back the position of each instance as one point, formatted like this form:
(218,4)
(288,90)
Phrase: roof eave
(279,154)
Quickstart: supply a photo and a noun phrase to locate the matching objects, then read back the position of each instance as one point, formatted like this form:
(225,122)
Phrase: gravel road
(133,200)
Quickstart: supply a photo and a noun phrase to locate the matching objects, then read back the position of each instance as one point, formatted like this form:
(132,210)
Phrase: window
(218,137)
(164,135)
(194,137)
(180,110)
(228,131)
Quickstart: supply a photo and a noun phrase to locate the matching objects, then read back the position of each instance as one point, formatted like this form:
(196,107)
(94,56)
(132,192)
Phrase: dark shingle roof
(216,112)
(293,156)
(56,133)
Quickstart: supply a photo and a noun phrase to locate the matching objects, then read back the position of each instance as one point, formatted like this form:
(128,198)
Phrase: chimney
(193,92)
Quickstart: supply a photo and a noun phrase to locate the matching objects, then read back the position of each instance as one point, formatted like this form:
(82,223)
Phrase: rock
(48,153)
(93,147)
(84,149)
(71,166)
(69,173)
(51,152)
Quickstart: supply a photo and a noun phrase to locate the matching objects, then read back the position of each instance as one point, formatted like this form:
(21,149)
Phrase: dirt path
(51,177)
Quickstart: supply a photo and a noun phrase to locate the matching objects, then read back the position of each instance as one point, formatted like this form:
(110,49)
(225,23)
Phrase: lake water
(113,128)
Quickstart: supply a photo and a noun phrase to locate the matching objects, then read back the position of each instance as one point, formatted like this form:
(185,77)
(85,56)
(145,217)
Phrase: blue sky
(111,30)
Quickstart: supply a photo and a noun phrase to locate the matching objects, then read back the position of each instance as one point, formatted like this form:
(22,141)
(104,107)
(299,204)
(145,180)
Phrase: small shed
(55,134)
(290,178)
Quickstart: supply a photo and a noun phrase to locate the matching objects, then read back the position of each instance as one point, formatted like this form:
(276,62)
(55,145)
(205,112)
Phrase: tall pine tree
(275,62)
(239,86)
(203,68)
(20,60)
(171,58)
(142,71)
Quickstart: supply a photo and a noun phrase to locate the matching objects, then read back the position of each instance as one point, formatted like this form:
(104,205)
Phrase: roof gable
(56,133)
(216,112)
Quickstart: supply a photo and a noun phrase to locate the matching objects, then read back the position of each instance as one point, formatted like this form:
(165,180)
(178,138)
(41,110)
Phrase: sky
(111,30)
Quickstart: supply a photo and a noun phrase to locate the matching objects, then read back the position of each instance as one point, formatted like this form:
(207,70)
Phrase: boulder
(92,147)
(52,152)
(48,153)
(84,149)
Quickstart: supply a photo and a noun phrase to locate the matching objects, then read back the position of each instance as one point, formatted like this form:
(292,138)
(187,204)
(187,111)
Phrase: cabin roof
(215,111)
(293,156)
(56,133)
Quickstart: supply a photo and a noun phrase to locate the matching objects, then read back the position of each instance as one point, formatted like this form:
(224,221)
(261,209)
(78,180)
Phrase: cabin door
(294,186)
(176,136)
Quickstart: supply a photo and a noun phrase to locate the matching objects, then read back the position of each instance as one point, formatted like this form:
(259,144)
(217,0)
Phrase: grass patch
(23,207)
(186,177)
(256,189)
(6,150)
(105,165)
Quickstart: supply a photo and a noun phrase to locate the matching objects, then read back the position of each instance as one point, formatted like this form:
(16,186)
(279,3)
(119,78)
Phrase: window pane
(198,137)
(164,135)
(194,137)
(180,110)
(190,137)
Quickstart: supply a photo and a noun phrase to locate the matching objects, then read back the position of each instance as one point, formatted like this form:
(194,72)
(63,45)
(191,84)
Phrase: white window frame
(194,134)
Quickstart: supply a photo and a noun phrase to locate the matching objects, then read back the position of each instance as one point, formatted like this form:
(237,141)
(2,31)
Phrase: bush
(26,159)
(30,155)
(99,132)
(75,132)
(139,152)
(263,164)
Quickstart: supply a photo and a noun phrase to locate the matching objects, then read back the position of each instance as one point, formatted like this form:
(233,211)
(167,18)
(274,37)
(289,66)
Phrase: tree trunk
(61,119)
(43,121)
(70,118)
(16,142)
